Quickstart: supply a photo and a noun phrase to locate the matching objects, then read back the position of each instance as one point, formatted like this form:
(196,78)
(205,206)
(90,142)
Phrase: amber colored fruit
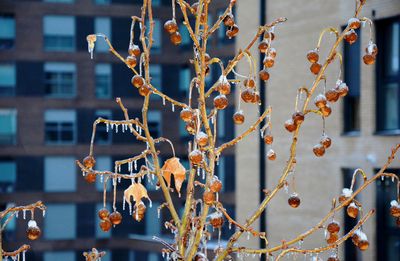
(229,20)
(138,212)
(326,111)
(131,61)
(103,213)
(191,127)
(290,126)
(355,239)
(298,117)
(395,211)
(137,81)
(268,139)
(33,232)
(369,59)
(315,68)
(209,197)
(217,221)
(326,141)
(271,155)
(333,227)
(247,95)
(363,245)
(115,218)
(175,38)
(224,87)
(332,95)
(263,46)
(186,114)
(249,83)
(352,210)
(195,157)
(272,52)
(238,117)
(351,36)
(144,90)
(216,186)
(90,177)
(233,31)
(294,201)
(320,101)
(89,162)
(342,198)
(270,35)
(134,50)
(332,238)
(313,56)
(342,89)
(333,258)
(269,61)
(354,23)
(202,139)
(256,97)
(319,150)
(264,75)
(170,26)
(105,225)
(221,102)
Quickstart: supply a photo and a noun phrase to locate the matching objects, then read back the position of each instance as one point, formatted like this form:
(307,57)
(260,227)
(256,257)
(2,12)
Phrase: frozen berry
(354,23)
(90,177)
(264,75)
(103,213)
(115,218)
(137,81)
(351,36)
(229,20)
(268,139)
(352,210)
(290,126)
(332,95)
(134,50)
(238,117)
(170,26)
(294,201)
(175,38)
(89,162)
(186,114)
(320,101)
(315,68)
(326,141)
(319,150)
(202,139)
(209,197)
(313,56)
(220,102)
(333,227)
(139,211)
(298,118)
(33,232)
(131,61)
(271,155)
(105,225)
(196,157)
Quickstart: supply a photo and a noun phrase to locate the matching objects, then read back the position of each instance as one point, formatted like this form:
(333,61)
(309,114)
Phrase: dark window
(103,136)
(7,79)
(60,126)
(8,175)
(350,250)
(8,126)
(7,32)
(154,123)
(351,104)
(388,75)
(388,234)
(59,33)
(60,80)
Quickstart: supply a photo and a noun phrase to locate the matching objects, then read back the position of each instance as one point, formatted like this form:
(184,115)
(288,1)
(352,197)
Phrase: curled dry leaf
(173,166)
(136,191)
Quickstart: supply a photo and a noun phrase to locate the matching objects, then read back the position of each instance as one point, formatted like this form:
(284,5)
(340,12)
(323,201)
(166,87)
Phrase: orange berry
(89,162)
(294,201)
(170,26)
(221,102)
(315,68)
(319,150)
(313,56)
(115,218)
(137,81)
(238,117)
(264,75)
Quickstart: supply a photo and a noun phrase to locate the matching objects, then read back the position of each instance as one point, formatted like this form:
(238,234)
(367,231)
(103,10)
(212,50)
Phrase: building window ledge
(387,132)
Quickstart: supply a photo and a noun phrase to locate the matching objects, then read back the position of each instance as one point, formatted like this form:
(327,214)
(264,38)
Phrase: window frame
(14,113)
(59,129)
(69,49)
(380,112)
(11,40)
(12,87)
(59,81)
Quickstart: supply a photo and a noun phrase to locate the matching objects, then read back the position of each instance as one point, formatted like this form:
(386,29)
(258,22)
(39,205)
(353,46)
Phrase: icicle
(140,179)
(198,172)
(230,225)
(163,254)
(163,100)
(173,107)
(101,178)
(23,255)
(114,181)
(83,173)
(112,126)
(203,173)
(119,168)
(130,166)
(248,235)
(16,214)
(217,196)
(392,178)
(286,188)
(116,128)
(123,203)
(158,212)
(135,163)
(24,214)
(140,131)
(130,127)
(107,127)
(123,128)
(383,178)
(130,210)
(212,120)
(44,212)
(137,127)
(150,203)
(219,237)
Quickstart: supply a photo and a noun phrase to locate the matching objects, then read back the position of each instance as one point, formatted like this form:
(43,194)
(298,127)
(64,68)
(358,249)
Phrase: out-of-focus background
(51,92)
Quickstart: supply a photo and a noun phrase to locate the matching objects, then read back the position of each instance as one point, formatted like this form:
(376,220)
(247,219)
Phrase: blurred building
(364,126)
(50,94)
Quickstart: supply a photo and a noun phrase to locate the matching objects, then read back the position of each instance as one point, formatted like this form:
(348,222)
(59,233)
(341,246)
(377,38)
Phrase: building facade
(364,126)
(50,94)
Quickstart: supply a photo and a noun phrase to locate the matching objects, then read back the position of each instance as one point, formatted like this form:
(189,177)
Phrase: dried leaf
(173,166)
(136,191)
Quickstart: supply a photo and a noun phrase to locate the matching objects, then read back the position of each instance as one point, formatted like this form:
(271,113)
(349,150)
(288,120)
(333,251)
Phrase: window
(153,224)
(388,75)
(154,123)
(7,79)
(221,124)
(8,175)
(157,35)
(60,223)
(103,81)
(102,2)
(388,233)
(351,104)
(184,80)
(59,33)
(8,126)
(60,79)
(102,25)
(103,163)
(59,174)
(350,250)
(60,126)
(185,36)
(7,31)
(102,136)
(156,79)
(59,256)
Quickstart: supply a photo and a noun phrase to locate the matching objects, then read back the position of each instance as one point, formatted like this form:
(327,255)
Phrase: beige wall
(318,180)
